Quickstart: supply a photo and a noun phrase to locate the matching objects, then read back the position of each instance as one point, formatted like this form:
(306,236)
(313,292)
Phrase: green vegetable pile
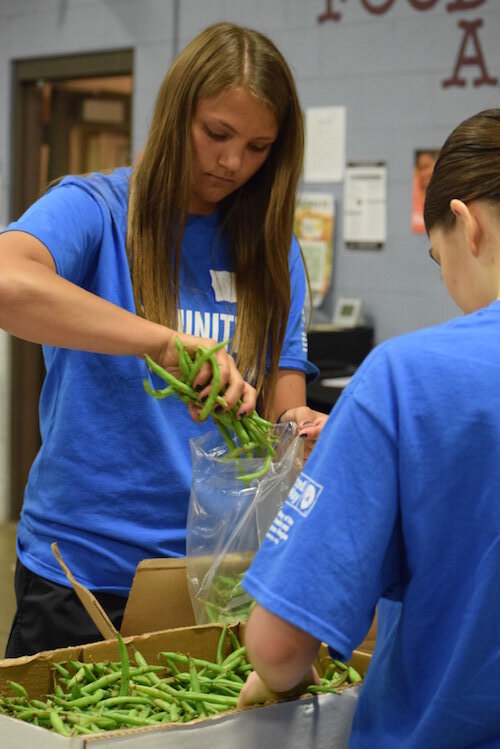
(93,697)
(247,437)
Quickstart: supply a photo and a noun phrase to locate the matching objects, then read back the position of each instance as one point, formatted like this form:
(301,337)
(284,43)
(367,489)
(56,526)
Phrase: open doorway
(71,114)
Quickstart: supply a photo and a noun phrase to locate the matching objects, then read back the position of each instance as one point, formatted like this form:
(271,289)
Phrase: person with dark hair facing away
(397,509)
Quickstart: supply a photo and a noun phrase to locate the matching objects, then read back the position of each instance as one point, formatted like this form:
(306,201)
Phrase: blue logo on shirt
(304,494)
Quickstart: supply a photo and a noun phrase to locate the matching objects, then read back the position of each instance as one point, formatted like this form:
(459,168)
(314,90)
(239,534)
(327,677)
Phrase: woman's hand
(255,691)
(231,384)
(309,423)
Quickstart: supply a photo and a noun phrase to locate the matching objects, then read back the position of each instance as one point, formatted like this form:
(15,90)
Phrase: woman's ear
(458,208)
(469,219)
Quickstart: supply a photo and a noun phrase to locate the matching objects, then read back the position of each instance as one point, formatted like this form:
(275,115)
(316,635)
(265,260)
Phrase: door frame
(27,369)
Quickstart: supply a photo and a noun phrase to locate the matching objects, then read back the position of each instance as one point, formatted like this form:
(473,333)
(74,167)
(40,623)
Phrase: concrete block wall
(385,60)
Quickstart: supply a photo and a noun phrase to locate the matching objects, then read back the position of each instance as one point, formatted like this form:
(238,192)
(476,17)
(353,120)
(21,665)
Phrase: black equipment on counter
(337,352)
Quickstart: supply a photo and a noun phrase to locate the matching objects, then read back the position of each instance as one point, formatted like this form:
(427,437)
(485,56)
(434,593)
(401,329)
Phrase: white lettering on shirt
(304,494)
(216,325)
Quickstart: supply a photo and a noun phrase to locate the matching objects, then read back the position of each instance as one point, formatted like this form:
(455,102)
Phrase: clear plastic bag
(228,519)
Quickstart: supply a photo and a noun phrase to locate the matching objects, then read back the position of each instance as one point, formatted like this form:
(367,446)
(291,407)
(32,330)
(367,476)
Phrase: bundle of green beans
(336,675)
(93,697)
(247,437)
(229,601)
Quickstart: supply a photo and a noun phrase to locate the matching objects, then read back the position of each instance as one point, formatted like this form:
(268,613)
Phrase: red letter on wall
(329,14)
(377,10)
(470,29)
(464,5)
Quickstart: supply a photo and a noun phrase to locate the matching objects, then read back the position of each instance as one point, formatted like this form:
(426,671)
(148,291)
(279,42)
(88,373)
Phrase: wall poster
(423,166)
(313,227)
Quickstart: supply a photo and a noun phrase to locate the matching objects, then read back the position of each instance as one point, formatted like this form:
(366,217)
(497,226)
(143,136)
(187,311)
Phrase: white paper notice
(325,144)
(365,204)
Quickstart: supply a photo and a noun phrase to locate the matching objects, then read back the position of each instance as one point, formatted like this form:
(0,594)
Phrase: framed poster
(313,227)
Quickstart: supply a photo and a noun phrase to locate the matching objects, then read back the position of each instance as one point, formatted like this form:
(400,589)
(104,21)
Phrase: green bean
(204,354)
(78,676)
(185,363)
(63,671)
(195,685)
(172,667)
(259,421)
(164,393)
(260,438)
(241,450)
(111,678)
(162,703)
(125,664)
(79,729)
(174,713)
(122,700)
(176,384)
(85,701)
(225,433)
(38,704)
(257,474)
(128,720)
(30,713)
(353,675)
(219,684)
(214,390)
(57,724)
(235,643)
(155,692)
(152,677)
(184,659)
(18,689)
(220,645)
(212,612)
(235,657)
(217,699)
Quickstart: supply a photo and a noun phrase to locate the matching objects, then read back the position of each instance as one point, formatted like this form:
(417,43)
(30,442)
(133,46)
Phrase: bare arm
(290,391)
(282,656)
(290,405)
(38,305)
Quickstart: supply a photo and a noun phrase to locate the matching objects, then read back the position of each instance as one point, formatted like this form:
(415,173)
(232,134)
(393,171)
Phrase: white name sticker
(224,286)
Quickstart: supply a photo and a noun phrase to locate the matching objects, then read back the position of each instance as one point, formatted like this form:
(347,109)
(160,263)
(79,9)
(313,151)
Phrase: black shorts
(52,616)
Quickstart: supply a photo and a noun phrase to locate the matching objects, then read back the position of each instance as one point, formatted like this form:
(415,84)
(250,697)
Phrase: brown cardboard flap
(89,601)
(159,598)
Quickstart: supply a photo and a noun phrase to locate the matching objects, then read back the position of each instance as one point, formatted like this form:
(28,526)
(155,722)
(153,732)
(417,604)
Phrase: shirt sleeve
(335,546)
(69,222)
(294,351)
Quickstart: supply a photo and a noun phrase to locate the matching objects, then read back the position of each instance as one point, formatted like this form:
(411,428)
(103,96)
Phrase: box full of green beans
(174,689)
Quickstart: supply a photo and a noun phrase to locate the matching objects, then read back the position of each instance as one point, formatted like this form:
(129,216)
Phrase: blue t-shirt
(111,481)
(398,506)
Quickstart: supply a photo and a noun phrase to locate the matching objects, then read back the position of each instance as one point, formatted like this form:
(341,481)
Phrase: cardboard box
(159,598)
(310,722)
(159,604)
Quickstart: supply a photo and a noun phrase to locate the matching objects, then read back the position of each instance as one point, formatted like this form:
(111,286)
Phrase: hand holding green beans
(181,349)
(246,435)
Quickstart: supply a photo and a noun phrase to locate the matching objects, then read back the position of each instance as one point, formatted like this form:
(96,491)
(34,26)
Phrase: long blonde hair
(257,218)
